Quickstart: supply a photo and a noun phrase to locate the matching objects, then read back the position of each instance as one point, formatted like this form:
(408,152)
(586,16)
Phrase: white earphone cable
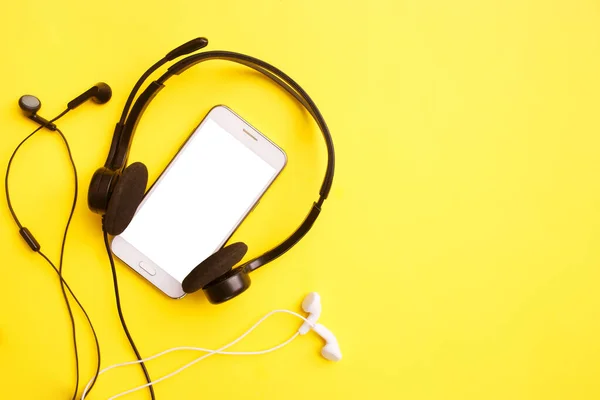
(209,351)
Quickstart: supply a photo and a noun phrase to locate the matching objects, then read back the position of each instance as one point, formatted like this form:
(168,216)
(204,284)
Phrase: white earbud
(331,350)
(312,305)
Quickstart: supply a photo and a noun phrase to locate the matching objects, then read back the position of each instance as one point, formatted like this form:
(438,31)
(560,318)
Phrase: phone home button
(148,268)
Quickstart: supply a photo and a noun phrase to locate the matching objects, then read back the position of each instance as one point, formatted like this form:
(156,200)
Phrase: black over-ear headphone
(116,190)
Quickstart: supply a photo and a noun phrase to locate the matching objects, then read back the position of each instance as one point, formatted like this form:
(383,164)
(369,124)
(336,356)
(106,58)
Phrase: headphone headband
(125,129)
(123,139)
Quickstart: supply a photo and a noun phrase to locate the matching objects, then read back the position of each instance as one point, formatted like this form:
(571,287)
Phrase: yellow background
(457,256)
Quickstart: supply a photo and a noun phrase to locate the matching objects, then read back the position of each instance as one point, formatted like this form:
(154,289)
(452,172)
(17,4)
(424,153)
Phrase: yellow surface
(457,256)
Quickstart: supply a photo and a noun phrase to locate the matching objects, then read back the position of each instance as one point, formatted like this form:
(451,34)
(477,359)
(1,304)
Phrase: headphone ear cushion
(215,266)
(125,199)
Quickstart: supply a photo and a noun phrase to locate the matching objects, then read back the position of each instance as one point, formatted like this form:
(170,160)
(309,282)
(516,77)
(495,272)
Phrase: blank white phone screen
(199,200)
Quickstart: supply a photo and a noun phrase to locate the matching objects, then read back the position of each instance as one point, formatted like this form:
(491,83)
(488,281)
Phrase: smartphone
(213,182)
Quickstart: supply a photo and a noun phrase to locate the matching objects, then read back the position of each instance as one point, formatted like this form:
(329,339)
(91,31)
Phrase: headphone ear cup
(215,266)
(126,198)
(228,286)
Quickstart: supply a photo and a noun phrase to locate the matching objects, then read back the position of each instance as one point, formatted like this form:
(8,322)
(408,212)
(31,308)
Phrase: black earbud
(100,93)
(30,106)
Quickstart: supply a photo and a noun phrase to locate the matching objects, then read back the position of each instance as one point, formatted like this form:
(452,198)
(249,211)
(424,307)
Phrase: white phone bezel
(252,139)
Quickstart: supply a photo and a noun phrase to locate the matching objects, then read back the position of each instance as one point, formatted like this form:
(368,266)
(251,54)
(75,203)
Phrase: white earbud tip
(309,300)
(331,352)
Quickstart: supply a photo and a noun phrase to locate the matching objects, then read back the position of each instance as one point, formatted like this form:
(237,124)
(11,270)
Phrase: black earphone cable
(120,311)
(10,207)
(86,316)
(60,265)
(59,270)
(8,202)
